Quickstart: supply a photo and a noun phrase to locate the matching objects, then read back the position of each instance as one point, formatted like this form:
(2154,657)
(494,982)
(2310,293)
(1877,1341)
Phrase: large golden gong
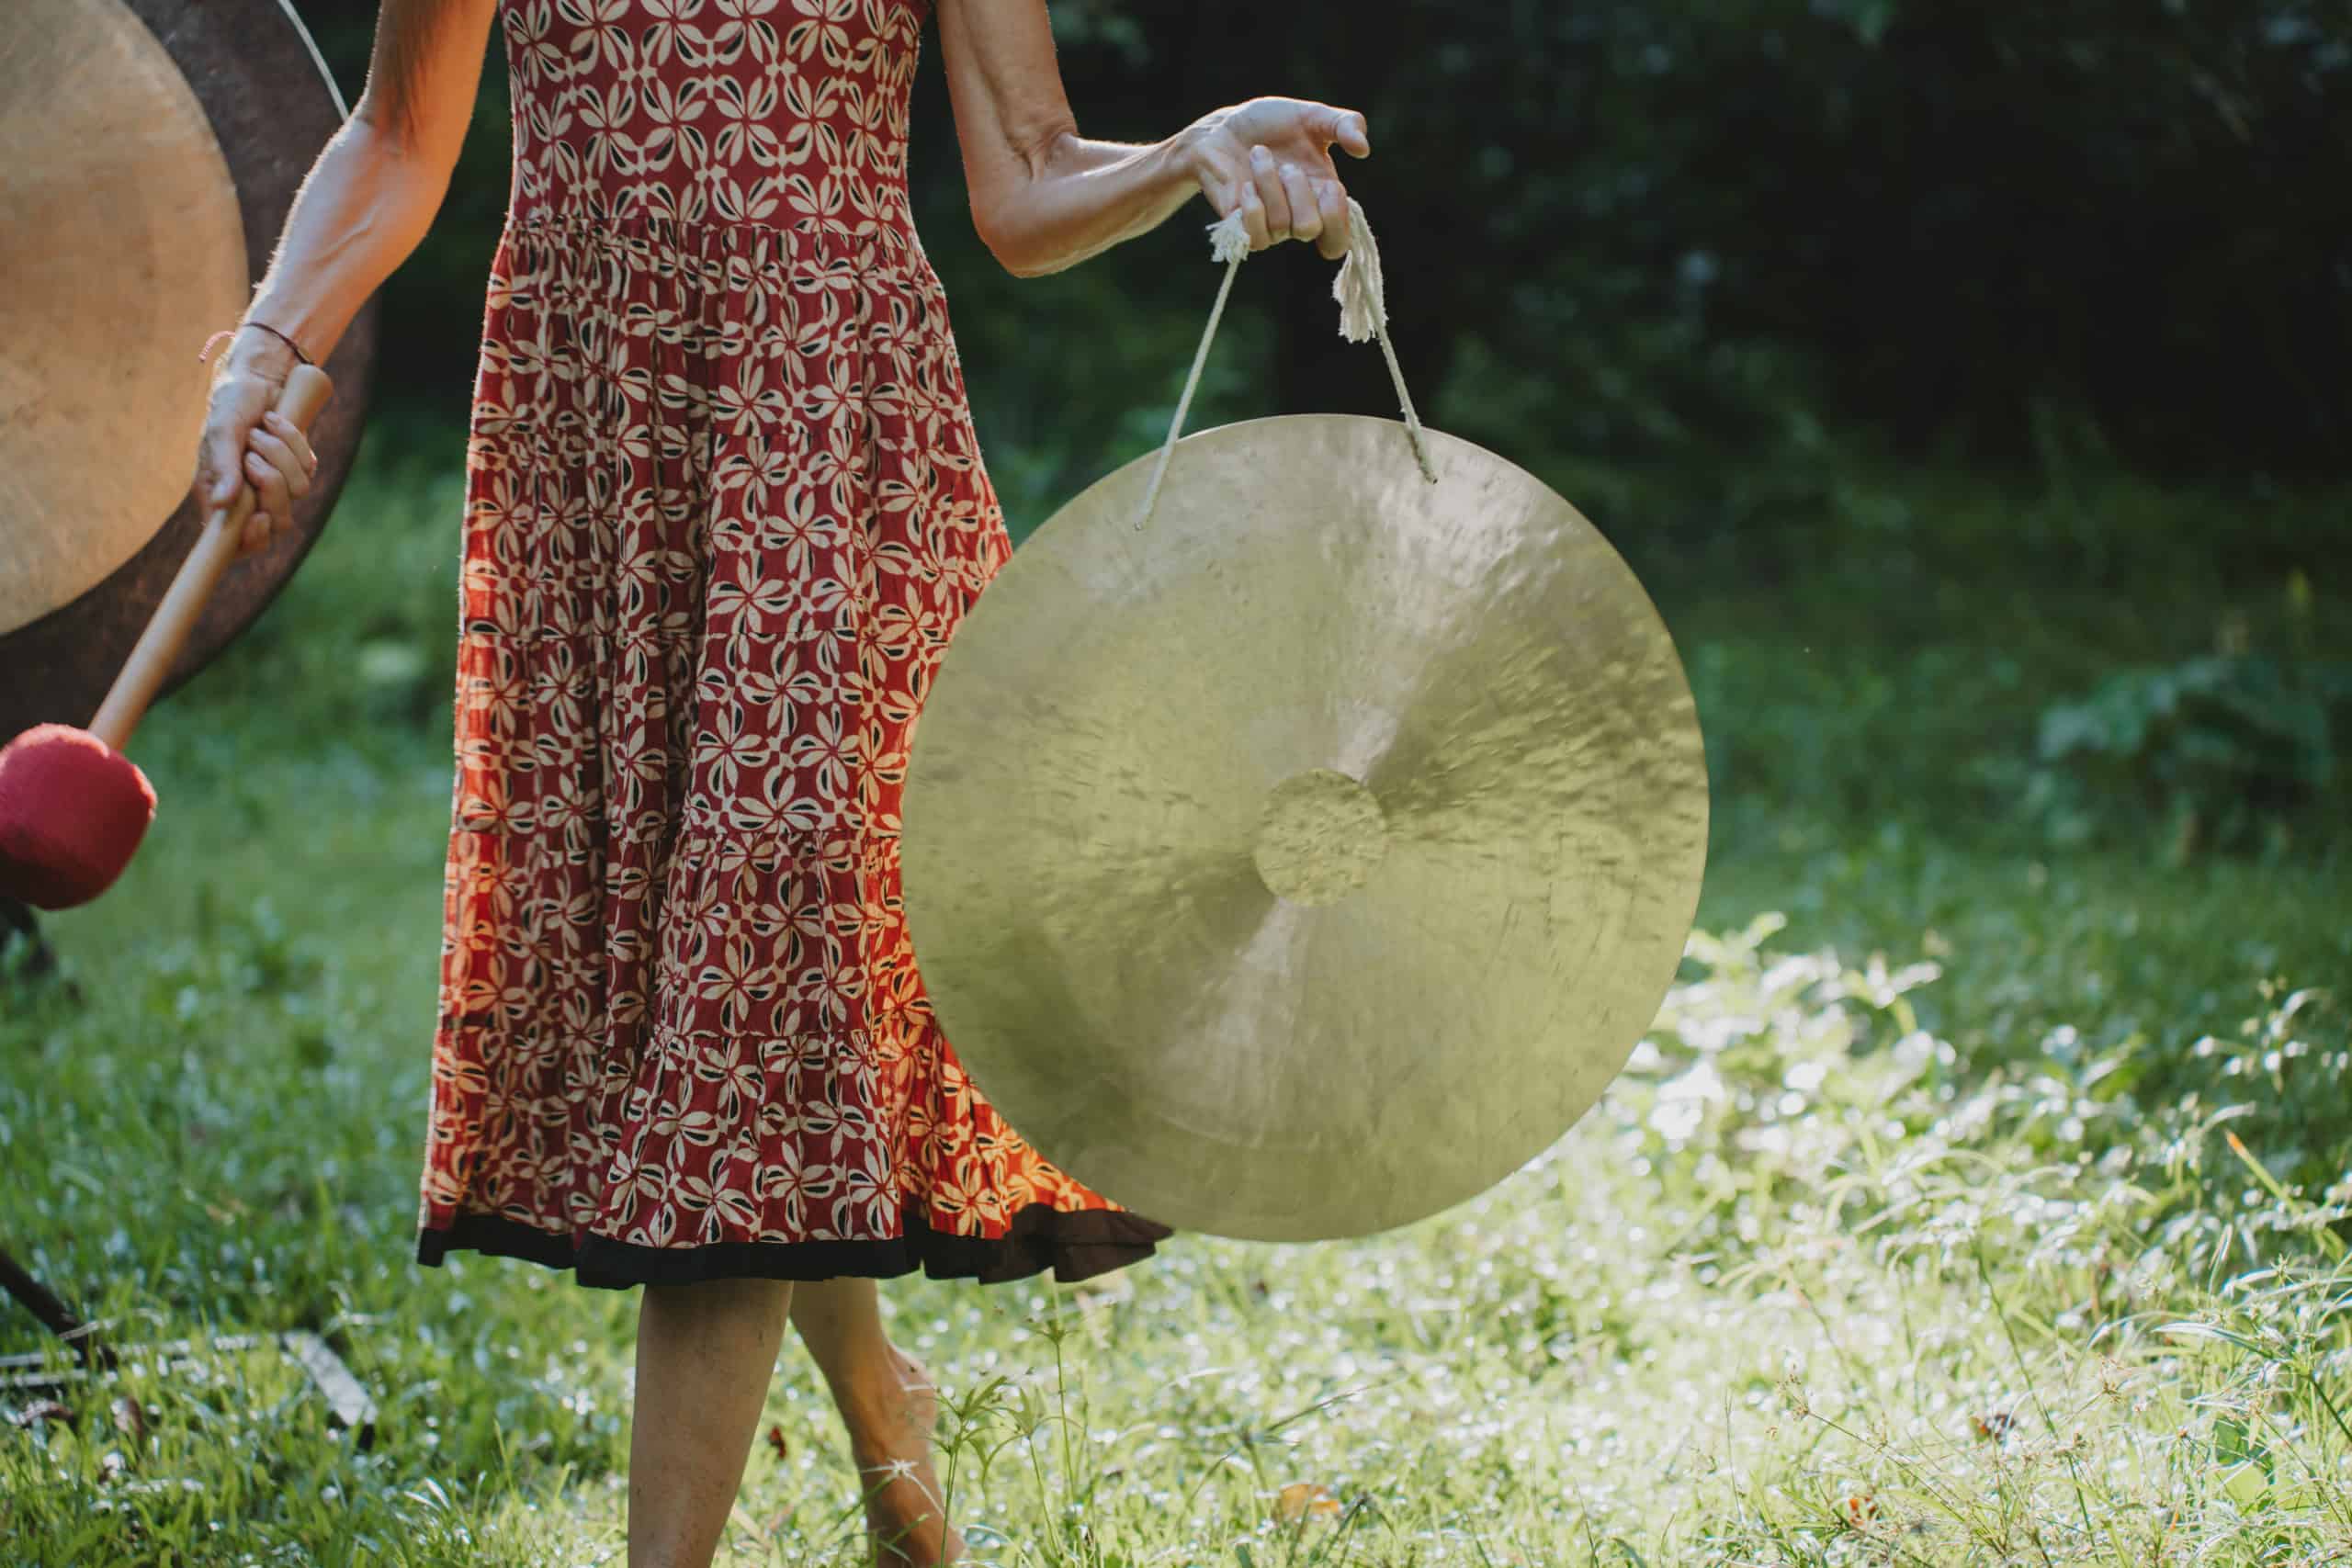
(149,152)
(1307,861)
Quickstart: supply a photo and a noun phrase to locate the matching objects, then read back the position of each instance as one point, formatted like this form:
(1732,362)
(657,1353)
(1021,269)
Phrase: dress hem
(1075,1244)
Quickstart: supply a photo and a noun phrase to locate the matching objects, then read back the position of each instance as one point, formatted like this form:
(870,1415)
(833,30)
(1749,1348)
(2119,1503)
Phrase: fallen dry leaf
(1304,1500)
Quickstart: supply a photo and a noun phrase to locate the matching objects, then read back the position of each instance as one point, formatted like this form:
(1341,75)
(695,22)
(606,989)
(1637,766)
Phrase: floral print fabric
(724,508)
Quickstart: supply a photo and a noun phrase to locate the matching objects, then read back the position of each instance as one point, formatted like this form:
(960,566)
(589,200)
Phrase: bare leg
(888,1405)
(704,1353)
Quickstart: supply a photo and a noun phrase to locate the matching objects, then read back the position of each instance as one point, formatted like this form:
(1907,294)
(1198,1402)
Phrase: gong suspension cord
(1364,312)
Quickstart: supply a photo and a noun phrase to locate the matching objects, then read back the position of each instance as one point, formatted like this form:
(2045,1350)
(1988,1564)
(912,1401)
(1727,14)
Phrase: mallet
(72,807)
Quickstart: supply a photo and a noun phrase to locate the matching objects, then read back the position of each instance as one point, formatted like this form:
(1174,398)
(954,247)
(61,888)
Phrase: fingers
(1306,210)
(279,464)
(1283,188)
(1348,128)
(223,469)
(289,431)
(282,459)
(1225,193)
(249,446)
(273,492)
(1331,204)
(1293,204)
(1271,195)
(1253,216)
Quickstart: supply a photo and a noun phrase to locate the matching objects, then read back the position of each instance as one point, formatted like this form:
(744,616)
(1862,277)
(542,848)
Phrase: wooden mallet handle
(304,394)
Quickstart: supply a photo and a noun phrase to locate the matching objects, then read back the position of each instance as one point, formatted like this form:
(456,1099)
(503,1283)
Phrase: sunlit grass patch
(1807,1286)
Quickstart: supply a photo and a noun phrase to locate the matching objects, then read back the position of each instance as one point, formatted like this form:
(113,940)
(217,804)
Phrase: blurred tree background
(1965,381)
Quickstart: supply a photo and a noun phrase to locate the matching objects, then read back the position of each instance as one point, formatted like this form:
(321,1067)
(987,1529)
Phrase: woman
(724,508)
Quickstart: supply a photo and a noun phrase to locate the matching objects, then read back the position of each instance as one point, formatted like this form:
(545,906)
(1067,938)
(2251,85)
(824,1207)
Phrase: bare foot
(890,1441)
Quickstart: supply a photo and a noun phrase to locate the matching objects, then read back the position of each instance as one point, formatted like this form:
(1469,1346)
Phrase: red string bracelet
(227,332)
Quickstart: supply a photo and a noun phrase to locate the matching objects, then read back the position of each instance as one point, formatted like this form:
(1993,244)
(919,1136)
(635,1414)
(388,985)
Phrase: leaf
(1305,1500)
(2229,1443)
(2209,1331)
(2245,1486)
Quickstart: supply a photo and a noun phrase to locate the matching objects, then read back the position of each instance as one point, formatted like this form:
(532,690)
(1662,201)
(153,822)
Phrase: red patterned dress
(724,508)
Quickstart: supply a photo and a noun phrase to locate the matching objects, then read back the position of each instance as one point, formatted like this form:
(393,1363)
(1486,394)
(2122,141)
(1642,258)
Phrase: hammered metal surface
(1307,862)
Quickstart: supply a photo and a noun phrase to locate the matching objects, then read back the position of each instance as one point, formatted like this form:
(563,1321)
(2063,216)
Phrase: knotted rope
(1364,312)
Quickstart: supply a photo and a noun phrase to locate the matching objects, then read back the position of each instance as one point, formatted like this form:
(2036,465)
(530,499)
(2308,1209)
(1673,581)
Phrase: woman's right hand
(1269,162)
(247,443)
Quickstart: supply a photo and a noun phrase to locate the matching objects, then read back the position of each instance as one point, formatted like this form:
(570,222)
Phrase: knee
(759,1303)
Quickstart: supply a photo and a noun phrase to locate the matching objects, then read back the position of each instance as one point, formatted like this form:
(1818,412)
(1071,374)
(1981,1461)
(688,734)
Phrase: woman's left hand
(1269,159)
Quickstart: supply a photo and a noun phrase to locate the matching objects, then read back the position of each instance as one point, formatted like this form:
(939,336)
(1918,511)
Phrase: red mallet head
(72,810)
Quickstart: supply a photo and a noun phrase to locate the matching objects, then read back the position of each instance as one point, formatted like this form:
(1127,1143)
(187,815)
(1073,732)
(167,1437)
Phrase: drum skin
(271,107)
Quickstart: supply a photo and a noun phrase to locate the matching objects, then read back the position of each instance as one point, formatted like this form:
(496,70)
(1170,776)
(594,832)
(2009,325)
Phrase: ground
(1978,1197)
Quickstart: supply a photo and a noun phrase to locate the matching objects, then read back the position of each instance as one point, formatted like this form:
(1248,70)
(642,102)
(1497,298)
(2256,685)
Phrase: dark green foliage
(1934,217)
(2230,747)
(1939,219)
(1875,333)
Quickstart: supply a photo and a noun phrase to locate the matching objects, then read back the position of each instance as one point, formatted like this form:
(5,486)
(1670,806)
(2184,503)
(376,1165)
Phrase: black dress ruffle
(1075,1244)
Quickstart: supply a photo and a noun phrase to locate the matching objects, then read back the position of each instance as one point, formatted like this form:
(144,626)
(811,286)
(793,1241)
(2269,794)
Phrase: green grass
(1914,1234)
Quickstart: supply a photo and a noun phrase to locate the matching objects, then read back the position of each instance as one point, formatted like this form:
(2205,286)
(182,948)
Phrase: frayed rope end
(1227,239)
(1363,313)
(1364,309)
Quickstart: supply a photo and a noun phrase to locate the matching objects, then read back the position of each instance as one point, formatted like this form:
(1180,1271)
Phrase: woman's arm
(364,207)
(1045,199)
(378,182)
